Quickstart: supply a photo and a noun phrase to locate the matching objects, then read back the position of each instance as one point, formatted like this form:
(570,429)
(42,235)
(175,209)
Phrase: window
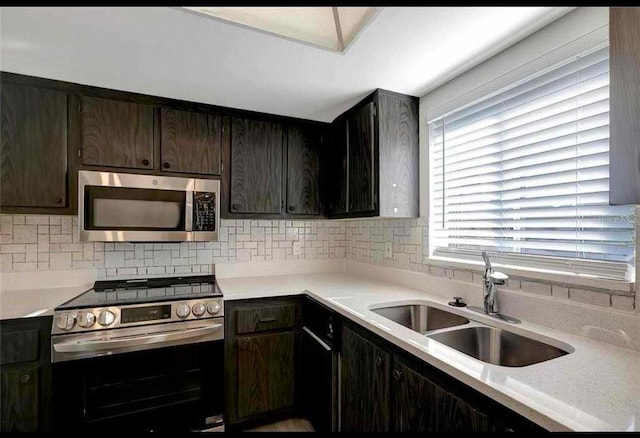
(524,175)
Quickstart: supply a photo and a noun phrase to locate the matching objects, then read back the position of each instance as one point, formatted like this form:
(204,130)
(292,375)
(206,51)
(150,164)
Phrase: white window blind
(524,174)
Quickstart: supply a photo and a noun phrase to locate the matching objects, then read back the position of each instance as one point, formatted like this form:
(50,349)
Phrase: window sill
(543,275)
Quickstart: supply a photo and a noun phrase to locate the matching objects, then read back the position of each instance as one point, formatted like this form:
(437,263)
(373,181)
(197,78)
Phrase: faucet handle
(498,278)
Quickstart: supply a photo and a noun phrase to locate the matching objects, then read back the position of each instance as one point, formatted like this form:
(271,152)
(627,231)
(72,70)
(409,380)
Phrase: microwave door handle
(188,211)
(132,341)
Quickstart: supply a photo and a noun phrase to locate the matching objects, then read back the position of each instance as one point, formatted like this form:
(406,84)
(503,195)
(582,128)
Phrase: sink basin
(421,318)
(498,347)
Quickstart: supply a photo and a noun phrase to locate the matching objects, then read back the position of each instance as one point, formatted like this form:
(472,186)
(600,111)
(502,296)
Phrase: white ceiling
(332,28)
(167,52)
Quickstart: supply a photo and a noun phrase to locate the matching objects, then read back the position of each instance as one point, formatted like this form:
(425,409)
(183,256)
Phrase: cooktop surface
(137,291)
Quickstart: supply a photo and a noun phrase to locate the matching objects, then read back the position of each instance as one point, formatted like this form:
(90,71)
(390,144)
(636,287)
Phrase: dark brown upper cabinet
(378,138)
(257,149)
(399,162)
(361,146)
(303,170)
(34,148)
(624,124)
(190,142)
(275,169)
(117,133)
(337,169)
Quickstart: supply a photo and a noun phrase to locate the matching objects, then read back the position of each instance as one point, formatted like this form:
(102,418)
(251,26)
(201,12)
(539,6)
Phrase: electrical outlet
(388,250)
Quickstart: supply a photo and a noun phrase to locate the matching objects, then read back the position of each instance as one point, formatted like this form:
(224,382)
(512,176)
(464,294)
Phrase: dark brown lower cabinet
(265,373)
(453,414)
(384,388)
(261,360)
(414,401)
(25,376)
(365,384)
(420,405)
(19,410)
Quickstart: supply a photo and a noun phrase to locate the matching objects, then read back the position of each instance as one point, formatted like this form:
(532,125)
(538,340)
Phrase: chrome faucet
(491,279)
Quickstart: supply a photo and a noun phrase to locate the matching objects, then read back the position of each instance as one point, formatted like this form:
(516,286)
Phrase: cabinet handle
(292,208)
(269,319)
(379,361)
(25,378)
(350,206)
(166,165)
(145,162)
(397,374)
(244,344)
(58,200)
(235,206)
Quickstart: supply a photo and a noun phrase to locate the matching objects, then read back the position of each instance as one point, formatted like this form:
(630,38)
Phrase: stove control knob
(198,309)
(106,317)
(183,310)
(86,319)
(66,321)
(213,307)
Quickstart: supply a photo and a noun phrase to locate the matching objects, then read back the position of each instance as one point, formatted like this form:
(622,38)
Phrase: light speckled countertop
(27,303)
(596,387)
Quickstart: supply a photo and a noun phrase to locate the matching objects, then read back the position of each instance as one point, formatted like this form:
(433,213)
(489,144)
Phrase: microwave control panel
(204,211)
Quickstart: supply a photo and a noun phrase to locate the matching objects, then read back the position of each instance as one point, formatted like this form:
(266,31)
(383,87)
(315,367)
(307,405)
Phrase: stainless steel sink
(421,318)
(498,347)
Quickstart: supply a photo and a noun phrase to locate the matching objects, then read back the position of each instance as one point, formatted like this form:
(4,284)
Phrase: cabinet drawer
(263,318)
(19,346)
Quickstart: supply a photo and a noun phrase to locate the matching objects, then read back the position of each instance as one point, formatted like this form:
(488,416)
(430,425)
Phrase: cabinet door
(117,134)
(190,141)
(265,373)
(452,414)
(414,401)
(303,171)
(338,169)
(398,155)
(362,180)
(19,399)
(365,385)
(256,166)
(34,147)
(624,37)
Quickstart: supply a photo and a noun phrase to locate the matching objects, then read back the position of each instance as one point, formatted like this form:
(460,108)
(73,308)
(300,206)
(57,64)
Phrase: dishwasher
(320,367)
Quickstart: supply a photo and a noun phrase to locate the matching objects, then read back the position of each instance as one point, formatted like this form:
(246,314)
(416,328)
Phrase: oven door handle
(132,341)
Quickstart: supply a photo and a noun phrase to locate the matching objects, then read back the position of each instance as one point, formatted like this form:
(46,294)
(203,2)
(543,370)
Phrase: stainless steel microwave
(126,207)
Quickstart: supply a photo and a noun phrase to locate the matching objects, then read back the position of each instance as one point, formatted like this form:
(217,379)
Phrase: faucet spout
(491,279)
(487,262)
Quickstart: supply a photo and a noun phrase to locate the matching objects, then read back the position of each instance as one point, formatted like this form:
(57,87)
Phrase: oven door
(142,208)
(174,384)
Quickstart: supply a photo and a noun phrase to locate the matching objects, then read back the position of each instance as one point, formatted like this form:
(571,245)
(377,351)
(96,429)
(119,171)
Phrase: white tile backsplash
(50,243)
(367,239)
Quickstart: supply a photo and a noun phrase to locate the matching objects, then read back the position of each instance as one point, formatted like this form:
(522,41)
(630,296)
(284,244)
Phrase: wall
(50,243)
(366,241)
(574,32)
(41,243)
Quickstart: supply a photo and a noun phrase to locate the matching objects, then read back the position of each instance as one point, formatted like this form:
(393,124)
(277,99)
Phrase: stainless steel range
(133,351)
